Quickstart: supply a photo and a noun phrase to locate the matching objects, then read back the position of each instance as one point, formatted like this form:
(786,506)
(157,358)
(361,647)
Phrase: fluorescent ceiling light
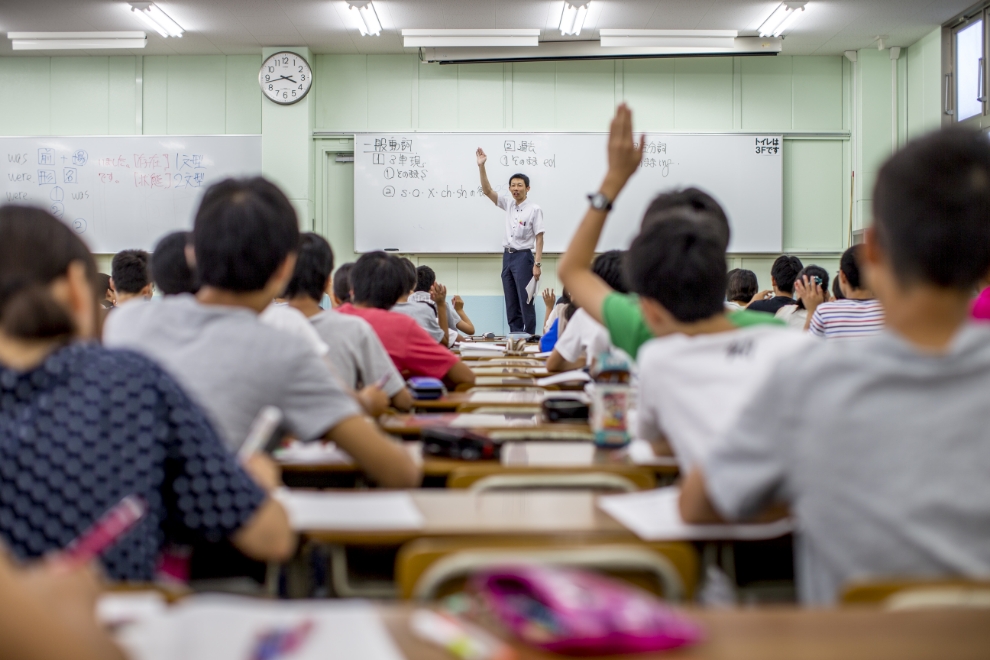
(156,19)
(76,40)
(707,39)
(781,18)
(441,38)
(572,18)
(369,25)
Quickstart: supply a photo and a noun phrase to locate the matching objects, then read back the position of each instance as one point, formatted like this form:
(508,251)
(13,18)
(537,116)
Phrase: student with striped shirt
(859,315)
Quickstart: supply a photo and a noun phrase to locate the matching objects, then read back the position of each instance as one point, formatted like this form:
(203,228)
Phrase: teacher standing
(523,233)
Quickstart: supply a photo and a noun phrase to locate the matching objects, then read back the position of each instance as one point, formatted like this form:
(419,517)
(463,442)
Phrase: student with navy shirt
(82,427)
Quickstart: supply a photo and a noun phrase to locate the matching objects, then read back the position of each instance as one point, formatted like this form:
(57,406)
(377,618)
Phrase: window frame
(950,79)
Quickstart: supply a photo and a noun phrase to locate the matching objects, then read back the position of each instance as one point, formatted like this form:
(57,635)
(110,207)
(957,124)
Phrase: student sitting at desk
(457,318)
(811,282)
(618,312)
(355,350)
(82,427)
(129,276)
(432,317)
(170,266)
(378,280)
(858,314)
(245,238)
(783,274)
(881,447)
(584,338)
(341,292)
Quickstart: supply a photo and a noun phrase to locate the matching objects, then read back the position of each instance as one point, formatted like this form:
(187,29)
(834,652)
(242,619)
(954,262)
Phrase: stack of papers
(576,376)
(350,511)
(475,421)
(313,453)
(641,453)
(548,454)
(654,515)
(211,627)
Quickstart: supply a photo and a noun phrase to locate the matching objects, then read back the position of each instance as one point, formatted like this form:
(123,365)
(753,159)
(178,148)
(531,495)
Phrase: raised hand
(482,158)
(624,156)
(439,293)
(549,298)
(810,293)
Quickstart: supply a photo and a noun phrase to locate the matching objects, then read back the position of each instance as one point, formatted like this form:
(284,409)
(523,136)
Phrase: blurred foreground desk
(788,634)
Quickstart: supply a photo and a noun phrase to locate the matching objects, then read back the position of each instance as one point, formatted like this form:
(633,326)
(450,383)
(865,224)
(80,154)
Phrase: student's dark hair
(812,271)
(849,265)
(101,284)
(379,279)
(342,282)
(169,269)
(837,290)
(425,278)
(244,230)
(36,249)
(520,175)
(410,269)
(313,267)
(608,266)
(931,209)
(680,263)
(688,198)
(742,286)
(565,297)
(784,271)
(129,270)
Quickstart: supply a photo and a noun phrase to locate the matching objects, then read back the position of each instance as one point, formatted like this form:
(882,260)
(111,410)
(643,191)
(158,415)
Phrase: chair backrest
(430,568)
(479,481)
(916,594)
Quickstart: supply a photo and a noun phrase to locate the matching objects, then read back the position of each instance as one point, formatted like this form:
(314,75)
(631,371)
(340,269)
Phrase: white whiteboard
(420,192)
(121,192)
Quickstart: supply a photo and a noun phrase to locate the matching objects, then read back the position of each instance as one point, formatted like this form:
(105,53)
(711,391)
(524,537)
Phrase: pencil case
(423,388)
(459,443)
(578,613)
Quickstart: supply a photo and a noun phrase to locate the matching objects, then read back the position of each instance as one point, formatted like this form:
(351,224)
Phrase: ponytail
(35,249)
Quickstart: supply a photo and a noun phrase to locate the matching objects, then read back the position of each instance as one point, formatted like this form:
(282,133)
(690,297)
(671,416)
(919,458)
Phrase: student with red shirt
(377,282)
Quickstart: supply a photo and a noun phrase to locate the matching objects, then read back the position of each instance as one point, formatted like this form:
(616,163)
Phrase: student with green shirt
(618,312)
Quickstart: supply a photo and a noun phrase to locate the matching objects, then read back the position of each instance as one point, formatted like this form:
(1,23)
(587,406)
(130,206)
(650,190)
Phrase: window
(969,70)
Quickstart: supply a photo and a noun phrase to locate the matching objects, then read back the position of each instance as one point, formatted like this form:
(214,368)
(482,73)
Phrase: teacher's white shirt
(523,222)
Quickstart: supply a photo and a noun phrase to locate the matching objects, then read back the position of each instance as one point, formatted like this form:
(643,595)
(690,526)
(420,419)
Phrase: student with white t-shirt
(700,369)
(584,338)
(245,239)
(355,351)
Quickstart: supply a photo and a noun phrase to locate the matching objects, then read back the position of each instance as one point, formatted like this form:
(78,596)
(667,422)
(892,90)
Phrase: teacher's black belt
(514,250)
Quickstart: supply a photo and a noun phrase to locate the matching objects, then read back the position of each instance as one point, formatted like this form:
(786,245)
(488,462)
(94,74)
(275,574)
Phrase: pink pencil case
(578,613)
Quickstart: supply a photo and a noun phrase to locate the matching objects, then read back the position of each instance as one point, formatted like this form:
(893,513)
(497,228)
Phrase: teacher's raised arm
(486,186)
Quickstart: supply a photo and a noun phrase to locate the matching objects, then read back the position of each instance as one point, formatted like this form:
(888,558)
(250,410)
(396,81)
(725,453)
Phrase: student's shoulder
(127,369)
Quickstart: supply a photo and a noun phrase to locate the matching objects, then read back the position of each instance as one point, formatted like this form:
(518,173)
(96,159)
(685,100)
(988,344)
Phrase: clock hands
(289,78)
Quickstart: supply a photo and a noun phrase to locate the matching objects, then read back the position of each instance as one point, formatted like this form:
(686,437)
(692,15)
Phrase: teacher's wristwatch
(600,202)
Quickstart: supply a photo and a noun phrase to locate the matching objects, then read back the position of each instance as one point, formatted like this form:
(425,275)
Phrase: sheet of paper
(483,347)
(350,511)
(641,453)
(653,515)
(506,397)
(213,627)
(313,453)
(114,609)
(548,454)
(576,376)
(534,284)
(472,421)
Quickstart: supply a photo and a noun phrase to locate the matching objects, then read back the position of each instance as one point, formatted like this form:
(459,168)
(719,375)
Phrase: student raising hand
(587,290)
(811,294)
(482,158)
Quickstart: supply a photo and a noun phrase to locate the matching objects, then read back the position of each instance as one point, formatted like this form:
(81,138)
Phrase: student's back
(81,426)
(881,447)
(233,364)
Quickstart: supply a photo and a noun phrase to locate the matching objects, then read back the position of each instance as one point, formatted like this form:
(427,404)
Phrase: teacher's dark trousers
(517,271)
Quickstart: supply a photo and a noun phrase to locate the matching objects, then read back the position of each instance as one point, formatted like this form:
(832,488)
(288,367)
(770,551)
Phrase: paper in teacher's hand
(534,282)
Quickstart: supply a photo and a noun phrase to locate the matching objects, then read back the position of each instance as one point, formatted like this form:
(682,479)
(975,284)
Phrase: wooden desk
(787,634)
(412,425)
(453,513)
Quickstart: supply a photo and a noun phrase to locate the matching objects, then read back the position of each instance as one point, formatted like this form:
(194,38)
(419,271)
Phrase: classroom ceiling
(234,27)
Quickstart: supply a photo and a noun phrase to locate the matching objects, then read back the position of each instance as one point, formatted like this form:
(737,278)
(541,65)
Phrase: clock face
(285,78)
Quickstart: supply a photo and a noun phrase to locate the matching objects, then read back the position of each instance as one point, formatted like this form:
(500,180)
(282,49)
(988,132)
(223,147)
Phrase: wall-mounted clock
(285,78)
